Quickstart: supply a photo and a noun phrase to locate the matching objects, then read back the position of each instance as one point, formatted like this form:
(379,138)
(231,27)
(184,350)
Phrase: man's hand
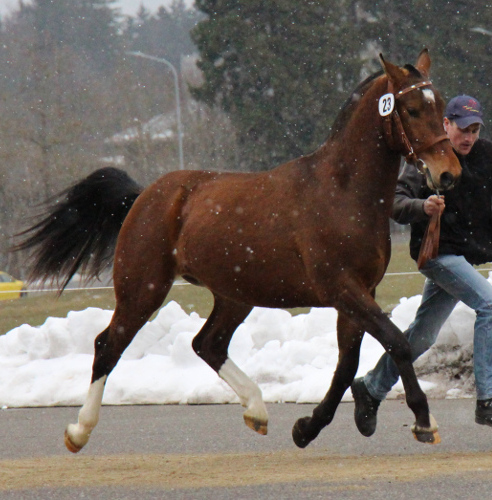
(434,205)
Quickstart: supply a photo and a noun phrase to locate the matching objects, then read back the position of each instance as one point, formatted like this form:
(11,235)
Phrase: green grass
(35,308)
(394,286)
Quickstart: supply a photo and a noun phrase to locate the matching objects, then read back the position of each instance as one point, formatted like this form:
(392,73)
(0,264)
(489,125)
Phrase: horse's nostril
(447,180)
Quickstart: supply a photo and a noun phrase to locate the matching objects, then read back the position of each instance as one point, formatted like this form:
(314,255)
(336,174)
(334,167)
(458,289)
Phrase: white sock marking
(89,414)
(248,392)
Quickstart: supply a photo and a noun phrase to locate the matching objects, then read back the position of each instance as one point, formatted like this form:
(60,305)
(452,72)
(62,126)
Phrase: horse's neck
(358,159)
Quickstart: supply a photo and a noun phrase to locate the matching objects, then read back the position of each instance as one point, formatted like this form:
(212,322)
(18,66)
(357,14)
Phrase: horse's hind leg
(77,435)
(349,340)
(211,345)
(130,315)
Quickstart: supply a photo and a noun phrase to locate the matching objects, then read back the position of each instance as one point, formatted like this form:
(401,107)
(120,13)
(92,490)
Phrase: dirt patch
(230,470)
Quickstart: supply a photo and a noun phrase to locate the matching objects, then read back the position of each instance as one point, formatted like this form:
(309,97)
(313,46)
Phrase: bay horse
(311,232)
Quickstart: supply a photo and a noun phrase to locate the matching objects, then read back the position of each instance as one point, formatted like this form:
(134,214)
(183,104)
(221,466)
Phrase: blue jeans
(450,279)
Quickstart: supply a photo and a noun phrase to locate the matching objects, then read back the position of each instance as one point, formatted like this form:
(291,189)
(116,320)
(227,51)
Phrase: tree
(165,34)
(89,26)
(53,99)
(281,69)
(458,35)
(53,81)
(272,66)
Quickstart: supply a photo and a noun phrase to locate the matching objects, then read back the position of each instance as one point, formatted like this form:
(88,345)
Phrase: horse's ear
(424,62)
(394,73)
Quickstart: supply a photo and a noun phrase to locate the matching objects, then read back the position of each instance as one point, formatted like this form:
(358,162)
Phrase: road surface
(206,452)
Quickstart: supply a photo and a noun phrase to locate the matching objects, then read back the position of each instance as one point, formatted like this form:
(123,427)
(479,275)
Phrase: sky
(128,7)
(292,358)
(131,7)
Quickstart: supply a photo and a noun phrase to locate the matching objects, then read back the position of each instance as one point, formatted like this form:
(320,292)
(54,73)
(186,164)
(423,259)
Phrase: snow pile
(292,358)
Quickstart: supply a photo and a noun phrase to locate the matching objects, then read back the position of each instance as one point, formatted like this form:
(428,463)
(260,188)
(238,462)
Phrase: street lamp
(176,91)
(482,31)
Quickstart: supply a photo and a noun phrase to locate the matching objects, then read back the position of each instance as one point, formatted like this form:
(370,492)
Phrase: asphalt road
(206,452)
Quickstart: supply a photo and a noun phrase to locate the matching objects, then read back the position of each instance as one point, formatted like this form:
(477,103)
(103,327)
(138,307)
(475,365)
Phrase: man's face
(462,139)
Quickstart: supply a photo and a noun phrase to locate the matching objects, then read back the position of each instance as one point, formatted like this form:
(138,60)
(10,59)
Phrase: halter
(410,154)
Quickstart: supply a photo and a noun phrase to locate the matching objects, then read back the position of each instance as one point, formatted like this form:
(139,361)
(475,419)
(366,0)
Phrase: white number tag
(386,104)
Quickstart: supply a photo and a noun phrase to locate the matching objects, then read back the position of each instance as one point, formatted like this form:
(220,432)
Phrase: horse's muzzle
(447,181)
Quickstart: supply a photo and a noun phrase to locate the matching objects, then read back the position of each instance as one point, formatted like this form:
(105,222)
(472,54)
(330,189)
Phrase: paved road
(206,452)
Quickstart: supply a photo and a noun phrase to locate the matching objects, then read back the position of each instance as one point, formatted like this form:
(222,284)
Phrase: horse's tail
(79,227)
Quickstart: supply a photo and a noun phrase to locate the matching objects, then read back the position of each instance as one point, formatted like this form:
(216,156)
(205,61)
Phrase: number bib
(386,104)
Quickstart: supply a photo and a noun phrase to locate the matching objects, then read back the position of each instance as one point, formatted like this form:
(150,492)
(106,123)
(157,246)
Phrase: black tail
(79,227)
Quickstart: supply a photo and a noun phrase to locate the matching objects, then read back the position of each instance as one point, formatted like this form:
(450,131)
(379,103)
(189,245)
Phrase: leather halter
(401,140)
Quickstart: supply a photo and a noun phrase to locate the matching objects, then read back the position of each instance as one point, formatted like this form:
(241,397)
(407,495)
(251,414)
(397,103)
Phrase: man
(465,239)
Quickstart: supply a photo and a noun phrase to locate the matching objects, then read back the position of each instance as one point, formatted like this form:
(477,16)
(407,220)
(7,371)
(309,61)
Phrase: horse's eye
(413,112)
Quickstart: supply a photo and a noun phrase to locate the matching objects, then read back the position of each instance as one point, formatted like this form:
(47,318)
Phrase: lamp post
(482,31)
(178,102)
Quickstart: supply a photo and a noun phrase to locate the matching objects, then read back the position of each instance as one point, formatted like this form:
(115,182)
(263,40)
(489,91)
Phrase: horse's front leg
(349,339)
(359,304)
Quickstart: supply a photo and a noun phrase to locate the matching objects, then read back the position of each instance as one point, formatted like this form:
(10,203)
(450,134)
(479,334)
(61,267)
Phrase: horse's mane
(350,104)
(352,101)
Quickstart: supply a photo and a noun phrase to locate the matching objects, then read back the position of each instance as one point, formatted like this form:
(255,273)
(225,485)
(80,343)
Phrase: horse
(312,232)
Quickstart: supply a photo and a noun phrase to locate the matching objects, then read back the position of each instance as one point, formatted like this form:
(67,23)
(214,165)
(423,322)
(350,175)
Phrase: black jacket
(466,224)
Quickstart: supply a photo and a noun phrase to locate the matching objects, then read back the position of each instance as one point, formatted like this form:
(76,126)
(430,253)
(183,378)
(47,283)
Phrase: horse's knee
(400,351)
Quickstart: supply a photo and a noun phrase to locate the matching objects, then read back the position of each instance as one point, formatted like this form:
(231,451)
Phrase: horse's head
(413,120)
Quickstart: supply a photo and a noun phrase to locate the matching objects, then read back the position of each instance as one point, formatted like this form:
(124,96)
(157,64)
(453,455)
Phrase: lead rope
(429,249)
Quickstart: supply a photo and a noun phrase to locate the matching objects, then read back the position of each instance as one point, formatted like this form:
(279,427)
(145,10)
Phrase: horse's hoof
(76,437)
(258,425)
(71,446)
(429,437)
(424,435)
(299,434)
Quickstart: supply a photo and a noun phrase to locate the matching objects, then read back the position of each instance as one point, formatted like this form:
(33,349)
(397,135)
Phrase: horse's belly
(265,260)
(260,292)
(278,280)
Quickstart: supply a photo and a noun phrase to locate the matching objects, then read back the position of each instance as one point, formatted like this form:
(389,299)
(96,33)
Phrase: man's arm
(408,206)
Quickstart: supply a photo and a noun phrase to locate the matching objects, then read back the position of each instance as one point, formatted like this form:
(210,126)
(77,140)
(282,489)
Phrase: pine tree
(165,34)
(88,26)
(458,35)
(280,69)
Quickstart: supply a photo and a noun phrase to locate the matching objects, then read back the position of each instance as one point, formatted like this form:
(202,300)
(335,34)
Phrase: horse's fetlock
(321,419)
